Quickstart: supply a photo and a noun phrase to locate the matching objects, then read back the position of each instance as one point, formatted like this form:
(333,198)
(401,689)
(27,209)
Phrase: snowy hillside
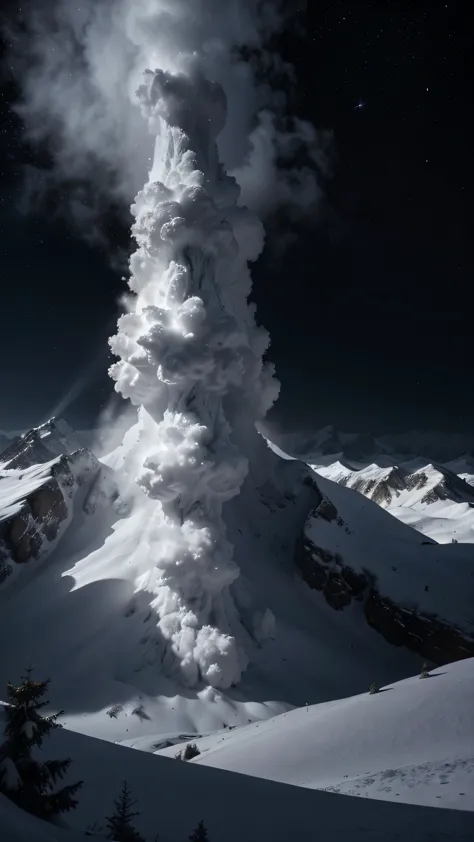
(435,579)
(430,488)
(412,741)
(409,744)
(18,826)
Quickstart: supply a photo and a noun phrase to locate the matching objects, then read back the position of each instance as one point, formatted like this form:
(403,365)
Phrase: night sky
(370,310)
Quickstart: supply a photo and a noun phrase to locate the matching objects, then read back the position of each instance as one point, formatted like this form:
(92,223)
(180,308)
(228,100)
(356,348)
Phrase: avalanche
(191,359)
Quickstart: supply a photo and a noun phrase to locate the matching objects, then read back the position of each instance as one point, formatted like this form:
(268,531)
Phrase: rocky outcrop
(424,634)
(39,520)
(427,635)
(326,572)
(381,490)
(39,504)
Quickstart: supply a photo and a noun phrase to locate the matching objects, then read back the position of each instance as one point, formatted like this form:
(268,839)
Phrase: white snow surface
(17,484)
(411,744)
(413,741)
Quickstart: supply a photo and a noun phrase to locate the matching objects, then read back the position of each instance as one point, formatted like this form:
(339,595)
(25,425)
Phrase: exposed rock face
(326,571)
(40,503)
(40,518)
(381,491)
(424,634)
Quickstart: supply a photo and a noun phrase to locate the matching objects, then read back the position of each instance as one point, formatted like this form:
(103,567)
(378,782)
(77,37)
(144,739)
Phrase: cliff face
(36,504)
(328,554)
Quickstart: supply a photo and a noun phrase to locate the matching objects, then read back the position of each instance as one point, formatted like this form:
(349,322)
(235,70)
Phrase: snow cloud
(80,64)
(153,99)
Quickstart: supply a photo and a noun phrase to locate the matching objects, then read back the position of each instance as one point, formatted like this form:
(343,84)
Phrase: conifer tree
(26,780)
(119,824)
(199,834)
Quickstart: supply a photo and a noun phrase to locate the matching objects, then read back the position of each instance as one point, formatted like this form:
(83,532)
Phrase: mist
(79,68)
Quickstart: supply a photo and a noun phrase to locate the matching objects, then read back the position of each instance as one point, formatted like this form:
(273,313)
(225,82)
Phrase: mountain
(40,476)
(54,438)
(434,497)
(332,593)
(93,591)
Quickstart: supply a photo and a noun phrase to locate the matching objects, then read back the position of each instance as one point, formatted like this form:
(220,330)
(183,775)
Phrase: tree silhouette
(24,779)
(119,824)
(199,834)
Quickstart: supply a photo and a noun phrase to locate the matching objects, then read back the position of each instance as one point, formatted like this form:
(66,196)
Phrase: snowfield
(411,745)
(423,729)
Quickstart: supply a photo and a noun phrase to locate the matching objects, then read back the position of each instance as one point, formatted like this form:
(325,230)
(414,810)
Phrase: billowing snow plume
(79,64)
(189,351)
(191,358)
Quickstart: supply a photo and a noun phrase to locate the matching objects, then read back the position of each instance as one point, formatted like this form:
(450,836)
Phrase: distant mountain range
(425,480)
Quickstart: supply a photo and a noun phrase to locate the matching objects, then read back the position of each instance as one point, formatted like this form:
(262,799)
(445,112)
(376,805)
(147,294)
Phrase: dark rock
(26,533)
(326,510)
(425,634)
(48,508)
(431,638)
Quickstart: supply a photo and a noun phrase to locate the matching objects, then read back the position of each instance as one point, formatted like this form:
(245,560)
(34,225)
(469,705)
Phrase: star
(359,106)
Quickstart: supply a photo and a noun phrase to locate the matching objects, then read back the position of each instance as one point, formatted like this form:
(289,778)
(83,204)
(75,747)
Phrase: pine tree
(373,689)
(199,834)
(24,779)
(119,824)
(191,750)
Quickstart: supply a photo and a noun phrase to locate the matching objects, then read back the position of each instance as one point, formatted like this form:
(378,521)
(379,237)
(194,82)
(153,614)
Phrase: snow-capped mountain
(431,489)
(40,444)
(91,590)
(326,576)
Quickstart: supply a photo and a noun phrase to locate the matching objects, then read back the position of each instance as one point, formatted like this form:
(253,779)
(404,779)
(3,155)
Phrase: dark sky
(370,311)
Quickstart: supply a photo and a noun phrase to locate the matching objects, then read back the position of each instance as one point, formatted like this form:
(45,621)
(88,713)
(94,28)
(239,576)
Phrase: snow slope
(18,826)
(173,796)
(413,741)
(16,485)
(432,578)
